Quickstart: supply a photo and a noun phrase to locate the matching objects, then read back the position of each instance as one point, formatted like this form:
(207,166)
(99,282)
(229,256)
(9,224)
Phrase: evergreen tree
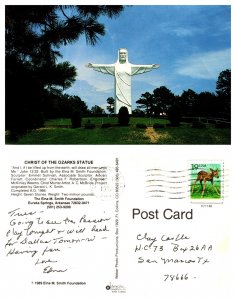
(123,116)
(34,34)
(97,110)
(110,106)
(223,90)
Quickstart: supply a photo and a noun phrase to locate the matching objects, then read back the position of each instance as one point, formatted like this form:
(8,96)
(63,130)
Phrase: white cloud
(101,82)
(183,32)
(178,30)
(89,94)
(205,65)
(80,55)
(152,78)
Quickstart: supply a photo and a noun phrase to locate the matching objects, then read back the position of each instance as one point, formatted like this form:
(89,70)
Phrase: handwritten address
(172,250)
(34,234)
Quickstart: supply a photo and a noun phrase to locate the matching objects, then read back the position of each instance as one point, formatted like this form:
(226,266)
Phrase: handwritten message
(43,239)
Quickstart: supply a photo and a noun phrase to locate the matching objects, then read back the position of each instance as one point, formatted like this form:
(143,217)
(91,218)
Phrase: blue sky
(191,44)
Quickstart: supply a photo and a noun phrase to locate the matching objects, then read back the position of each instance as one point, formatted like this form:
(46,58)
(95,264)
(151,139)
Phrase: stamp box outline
(205,165)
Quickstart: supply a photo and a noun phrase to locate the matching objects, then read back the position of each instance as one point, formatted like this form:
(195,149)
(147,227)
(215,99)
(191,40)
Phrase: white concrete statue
(122,71)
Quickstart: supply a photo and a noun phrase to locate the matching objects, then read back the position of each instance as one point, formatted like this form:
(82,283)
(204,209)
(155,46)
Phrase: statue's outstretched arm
(139,69)
(106,69)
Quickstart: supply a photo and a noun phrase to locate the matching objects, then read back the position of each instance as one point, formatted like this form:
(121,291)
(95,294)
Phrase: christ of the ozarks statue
(122,71)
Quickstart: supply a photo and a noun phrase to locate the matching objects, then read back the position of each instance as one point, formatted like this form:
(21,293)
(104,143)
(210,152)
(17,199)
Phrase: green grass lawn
(112,135)
(182,135)
(185,135)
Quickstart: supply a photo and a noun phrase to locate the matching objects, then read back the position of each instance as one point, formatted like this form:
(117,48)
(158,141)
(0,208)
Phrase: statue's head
(123,55)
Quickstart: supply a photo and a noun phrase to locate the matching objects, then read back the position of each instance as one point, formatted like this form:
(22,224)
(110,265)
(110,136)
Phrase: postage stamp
(206,181)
